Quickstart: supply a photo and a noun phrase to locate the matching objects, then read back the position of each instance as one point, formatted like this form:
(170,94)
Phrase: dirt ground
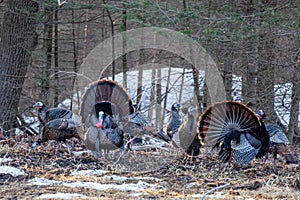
(171,177)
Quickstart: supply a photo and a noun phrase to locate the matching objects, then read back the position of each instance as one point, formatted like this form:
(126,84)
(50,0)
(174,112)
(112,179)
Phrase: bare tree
(17,41)
(294,112)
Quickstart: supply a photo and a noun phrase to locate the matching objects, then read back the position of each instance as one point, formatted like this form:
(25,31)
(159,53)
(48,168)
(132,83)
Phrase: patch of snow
(138,194)
(98,172)
(98,186)
(79,153)
(124,178)
(217,195)
(60,195)
(4,160)
(65,104)
(116,178)
(282,101)
(11,170)
(236,86)
(43,182)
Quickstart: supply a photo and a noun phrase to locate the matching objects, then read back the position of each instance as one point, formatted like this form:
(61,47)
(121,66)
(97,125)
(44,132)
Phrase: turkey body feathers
(235,130)
(188,136)
(277,136)
(279,144)
(57,124)
(174,121)
(45,115)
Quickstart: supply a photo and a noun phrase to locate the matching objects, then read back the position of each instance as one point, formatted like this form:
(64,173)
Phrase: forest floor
(153,174)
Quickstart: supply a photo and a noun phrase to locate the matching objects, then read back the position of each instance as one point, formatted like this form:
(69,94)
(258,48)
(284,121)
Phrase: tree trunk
(249,89)
(124,56)
(56,69)
(266,79)
(48,35)
(140,78)
(294,112)
(18,40)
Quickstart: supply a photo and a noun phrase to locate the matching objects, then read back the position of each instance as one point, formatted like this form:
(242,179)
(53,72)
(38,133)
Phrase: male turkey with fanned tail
(235,130)
(56,124)
(279,143)
(107,101)
(104,105)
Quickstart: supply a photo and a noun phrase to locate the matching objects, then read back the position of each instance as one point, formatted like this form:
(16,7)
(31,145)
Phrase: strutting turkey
(113,100)
(188,137)
(104,102)
(235,130)
(174,123)
(56,124)
(279,144)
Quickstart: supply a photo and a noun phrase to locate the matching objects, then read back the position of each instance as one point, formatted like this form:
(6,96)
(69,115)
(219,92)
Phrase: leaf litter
(36,174)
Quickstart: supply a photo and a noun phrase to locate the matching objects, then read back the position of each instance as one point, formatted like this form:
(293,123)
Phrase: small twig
(121,155)
(214,189)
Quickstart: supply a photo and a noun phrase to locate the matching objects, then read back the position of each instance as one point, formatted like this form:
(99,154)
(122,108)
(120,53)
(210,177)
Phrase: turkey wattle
(235,130)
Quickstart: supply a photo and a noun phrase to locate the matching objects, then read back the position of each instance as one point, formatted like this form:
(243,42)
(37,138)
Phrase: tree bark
(18,40)
(294,112)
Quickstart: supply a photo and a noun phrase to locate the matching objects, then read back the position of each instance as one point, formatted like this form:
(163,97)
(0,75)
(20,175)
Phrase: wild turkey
(235,130)
(188,137)
(59,130)
(56,124)
(114,101)
(279,144)
(106,101)
(45,115)
(2,135)
(174,121)
(103,133)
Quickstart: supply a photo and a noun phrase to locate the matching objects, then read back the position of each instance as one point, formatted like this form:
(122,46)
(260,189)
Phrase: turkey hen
(279,144)
(174,123)
(45,115)
(235,130)
(104,105)
(188,137)
(56,124)
(59,130)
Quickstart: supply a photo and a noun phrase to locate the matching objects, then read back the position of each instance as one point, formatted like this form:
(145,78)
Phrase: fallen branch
(214,189)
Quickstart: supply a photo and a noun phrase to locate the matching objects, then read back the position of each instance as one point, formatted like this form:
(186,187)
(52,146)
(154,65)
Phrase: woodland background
(43,45)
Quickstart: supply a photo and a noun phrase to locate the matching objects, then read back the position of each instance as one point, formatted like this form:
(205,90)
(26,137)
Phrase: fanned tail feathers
(235,130)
